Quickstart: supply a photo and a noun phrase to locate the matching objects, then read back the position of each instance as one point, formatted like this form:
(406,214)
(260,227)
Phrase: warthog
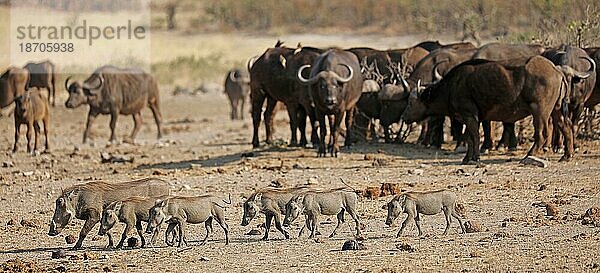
(87,201)
(271,202)
(329,202)
(189,210)
(428,203)
(131,211)
(115,91)
(31,108)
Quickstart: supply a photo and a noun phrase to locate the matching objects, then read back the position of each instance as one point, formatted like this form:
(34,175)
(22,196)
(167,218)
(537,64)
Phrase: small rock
(369,157)
(133,242)
(28,173)
(542,187)
(27,223)
(318,240)
(254,232)
(90,256)
(591,217)
(371,192)
(473,226)
(279,183)
(353,245)
(299,166)
(475,254)
(61,268)
(59,254)
(204,259)
(8,164)
(185,187)
(535,161)
(106,269)
(551,209)
(158,172)
(70,239)
(415,171)
(10,222)
(405,247)
(380,162)
(115,158)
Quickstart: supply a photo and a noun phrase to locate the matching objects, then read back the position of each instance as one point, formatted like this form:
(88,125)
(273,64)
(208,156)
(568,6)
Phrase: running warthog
(316,202)
(427,203)
(271,202)
(87,201)
(189,210)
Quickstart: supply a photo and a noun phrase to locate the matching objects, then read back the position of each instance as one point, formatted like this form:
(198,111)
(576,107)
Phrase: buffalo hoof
(470,162)
(484,151)
(565,158)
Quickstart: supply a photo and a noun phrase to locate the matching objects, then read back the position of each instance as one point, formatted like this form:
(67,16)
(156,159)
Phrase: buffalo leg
(322,132)
(349,122)
(157,116)
(292,109)
(487,137)
(17,135)
(564,125)
(242,101)
(257,98)
(90,120)
(472,140)
(137,123)
(90,222)
(540,121)
(314,135)
(36,127)
(269,118)
(114,116)
(30,133)
(335,147)
(301,115)
(233,103)
(46,123)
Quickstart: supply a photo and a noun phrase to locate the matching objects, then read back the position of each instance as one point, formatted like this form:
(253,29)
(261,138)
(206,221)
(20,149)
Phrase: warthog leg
(448,219)
(220,218)
(268,219)
(93,218)
(140,232)
(418,223)
(209,229)
(462,227)
(313,225)
(354,216)
(280,227)
(340,220)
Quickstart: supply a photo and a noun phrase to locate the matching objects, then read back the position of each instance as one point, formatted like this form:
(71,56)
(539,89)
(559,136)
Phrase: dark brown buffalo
(375,62)
(31,108)
(393,101)
(113,91)
(13,83)
(269,81)
(572,61)
(237,88)
(501,52)
(335,88)
(495,91)
(404,60)
(428,70)
(367,109)
(43,75)
(594,99)
(303,56)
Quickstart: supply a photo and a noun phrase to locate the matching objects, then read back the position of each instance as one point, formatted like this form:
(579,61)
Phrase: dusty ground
(203,150)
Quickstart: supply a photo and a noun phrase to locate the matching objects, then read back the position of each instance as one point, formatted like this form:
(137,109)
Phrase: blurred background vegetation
(206,37)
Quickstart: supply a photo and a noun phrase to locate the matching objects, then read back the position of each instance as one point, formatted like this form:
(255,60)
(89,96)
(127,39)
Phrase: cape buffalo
(495,91)
(268,81)
(594,99)
(335,88)
(378,59)
(571,61)
(13,83)
(43,75)
(114,91)
(237,88)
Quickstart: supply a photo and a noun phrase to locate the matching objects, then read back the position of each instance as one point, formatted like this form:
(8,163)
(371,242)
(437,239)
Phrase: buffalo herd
(425,84)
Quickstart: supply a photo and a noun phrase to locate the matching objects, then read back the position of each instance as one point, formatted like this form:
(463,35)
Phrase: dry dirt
(202,153)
